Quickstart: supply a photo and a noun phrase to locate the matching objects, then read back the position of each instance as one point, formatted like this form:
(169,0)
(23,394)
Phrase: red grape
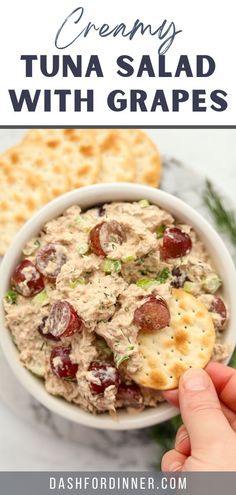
(153,315)
(130,395)
(50,259)
(26,279)
(63,320)
(46,335)
(61,364)
(105,374)
(104,233)
(176,243)
(218,306)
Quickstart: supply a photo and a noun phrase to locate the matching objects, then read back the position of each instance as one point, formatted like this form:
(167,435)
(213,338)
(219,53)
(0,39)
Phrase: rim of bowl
(90,196)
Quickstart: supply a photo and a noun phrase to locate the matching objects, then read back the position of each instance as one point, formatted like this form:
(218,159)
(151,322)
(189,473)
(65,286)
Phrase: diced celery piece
(74,283)
(211,283)
(110,266)
(146,282)
(83,248)
(41,299)
(191,287)
(144,203)
(160,231)
(128,259)
(11,297)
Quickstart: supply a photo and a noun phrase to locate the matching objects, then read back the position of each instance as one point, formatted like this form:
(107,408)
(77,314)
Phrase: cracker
(117,162)
(76,148)
(146,157)
(30,177)
(187,343)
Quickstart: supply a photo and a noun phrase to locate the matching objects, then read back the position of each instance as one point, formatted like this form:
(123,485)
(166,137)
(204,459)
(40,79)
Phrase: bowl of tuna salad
(85,275)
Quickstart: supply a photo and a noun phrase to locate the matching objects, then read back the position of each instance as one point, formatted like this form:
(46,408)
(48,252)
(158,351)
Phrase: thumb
(201,411)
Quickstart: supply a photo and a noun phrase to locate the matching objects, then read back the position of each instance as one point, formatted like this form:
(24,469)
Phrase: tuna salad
(80,293)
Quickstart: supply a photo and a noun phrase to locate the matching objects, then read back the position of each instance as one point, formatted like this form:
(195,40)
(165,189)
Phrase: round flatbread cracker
(146,157)
(30,177)
(75,148)
(22,194)
(117,162)
(186,343)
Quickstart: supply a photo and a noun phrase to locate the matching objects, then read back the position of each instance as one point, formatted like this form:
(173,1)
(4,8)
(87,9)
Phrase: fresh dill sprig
(225,219)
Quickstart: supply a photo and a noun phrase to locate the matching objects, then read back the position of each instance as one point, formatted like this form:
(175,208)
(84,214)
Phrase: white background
(28,27)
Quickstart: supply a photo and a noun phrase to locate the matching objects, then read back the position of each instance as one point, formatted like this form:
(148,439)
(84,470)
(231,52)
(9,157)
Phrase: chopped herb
(11,297)
(145,283)
(83,249)
(163,275)
(160,231)
(121,359)
(144,203)
(37,243)
(110,266)
(107,295)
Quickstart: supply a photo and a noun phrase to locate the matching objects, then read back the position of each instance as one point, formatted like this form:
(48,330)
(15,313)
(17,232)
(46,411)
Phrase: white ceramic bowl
(87,197)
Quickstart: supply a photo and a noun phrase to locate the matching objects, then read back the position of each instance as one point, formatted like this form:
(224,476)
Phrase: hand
(207,439)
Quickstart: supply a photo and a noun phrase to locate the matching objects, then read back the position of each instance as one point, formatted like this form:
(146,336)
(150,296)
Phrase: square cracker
(186,343)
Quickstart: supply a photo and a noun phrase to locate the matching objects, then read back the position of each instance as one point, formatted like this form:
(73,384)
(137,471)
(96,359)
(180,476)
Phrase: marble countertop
(31,438)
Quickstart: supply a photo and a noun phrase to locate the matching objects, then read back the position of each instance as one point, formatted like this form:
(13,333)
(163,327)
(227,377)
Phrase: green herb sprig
(225,219)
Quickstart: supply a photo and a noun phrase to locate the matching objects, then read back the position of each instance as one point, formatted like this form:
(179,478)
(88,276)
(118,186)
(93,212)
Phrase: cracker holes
(172,337)
(171,377)
(181,359)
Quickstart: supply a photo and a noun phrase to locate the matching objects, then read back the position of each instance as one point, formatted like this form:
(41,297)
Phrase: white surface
(25,447)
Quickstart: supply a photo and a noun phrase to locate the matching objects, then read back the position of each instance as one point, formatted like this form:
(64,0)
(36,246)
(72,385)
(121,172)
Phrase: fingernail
(175,466)
(195,379)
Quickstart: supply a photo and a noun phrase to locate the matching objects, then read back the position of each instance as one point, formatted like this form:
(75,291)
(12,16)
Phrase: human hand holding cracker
(207,439)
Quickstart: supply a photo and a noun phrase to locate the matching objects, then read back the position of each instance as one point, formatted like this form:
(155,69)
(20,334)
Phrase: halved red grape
(46,335)
(130,395)
(103,375)
(61,364)
(153,315)
(50,259)
(26,279)
(63,320)
(104,233)
(176,243)
(218,306)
